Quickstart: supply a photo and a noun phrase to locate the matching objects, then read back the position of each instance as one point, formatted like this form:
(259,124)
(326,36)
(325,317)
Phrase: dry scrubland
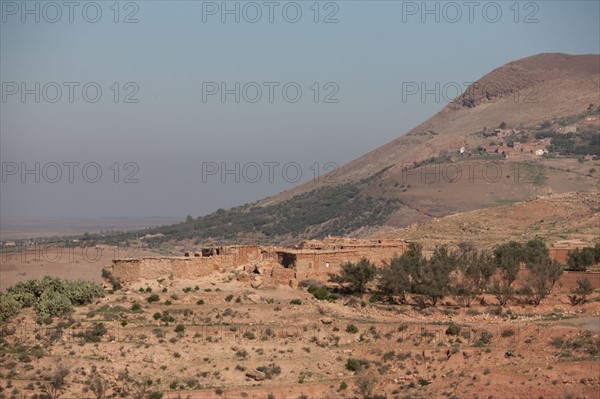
(565,220)
(218,338)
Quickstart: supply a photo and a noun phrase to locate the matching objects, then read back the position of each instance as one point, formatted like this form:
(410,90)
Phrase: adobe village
(258,265)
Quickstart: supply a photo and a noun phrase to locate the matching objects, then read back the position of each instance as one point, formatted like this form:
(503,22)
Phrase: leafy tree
(543,275)
(432,279)
(580,294)
(472,278)
(581,259)
(395,277)
(535,251)
(508,258)
(356,275)
(9,307)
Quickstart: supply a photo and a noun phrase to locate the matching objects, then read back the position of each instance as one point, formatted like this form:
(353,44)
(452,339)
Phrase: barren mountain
(526,92)
(565,220)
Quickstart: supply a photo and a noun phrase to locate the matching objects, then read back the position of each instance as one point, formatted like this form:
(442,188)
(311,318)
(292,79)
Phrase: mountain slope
(528,91)
(482,150)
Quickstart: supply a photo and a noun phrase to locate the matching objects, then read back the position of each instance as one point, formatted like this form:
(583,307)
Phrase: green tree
(581,259)
(479,267)
(432,279)
(535,251)
(543,275)
(355,275)
(508,258)
(9,307)
(395,277)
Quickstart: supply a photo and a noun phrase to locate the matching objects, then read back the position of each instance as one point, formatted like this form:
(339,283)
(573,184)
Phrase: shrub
(453,329)
(93,334)
(356,364)
(116,284)
(296,302)
(153,298)
(321,293)
(9,307)
(270,370)
(53,304)
(580,294)
(200,302)
(180,328)
(352,329)
(484,339)
(136,307)
(507,332)
(51,296)
(229,297)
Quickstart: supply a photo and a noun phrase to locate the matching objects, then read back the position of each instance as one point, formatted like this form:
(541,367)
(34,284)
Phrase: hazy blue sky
(179,50)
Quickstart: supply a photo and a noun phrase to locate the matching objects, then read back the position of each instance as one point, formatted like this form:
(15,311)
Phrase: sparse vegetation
(50,296)
(580,294)
(355,276)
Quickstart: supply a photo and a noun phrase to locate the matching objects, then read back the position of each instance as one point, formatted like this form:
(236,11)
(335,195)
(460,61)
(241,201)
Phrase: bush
(453,329)
(296,302)
(484,339)
(321,293)
(507,332)
(53,304)
(9,307)
(116,284)
(580,294)
(356,364)
(200,302)
(270,370)
(356,275)
(51,296)
(580,260)
(93,334)
(180,328)
(153,298)
(229,297)
(352,329)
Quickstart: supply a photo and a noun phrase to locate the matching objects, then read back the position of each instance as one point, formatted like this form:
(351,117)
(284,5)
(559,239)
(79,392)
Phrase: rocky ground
(216,338)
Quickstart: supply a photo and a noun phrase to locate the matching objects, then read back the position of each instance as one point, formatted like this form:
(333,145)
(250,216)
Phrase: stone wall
(312,259)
